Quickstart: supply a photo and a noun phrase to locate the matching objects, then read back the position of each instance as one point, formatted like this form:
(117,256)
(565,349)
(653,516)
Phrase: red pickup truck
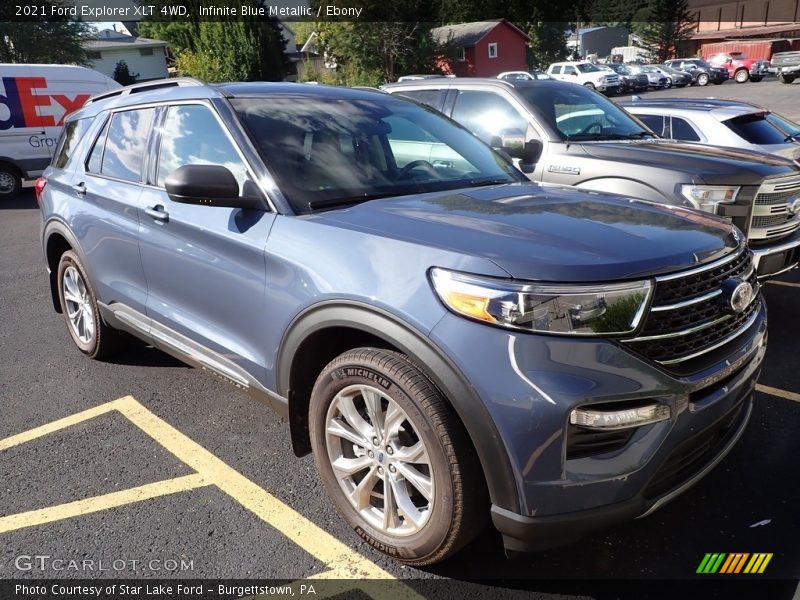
(740,67)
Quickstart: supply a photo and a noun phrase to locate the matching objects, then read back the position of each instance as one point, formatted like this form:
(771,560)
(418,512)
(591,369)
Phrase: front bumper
(530,384)
(771,261)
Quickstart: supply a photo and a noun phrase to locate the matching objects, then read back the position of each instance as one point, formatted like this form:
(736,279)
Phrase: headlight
(567,309)
(706,197)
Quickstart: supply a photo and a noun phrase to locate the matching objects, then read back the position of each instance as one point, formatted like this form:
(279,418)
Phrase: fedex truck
(34,99)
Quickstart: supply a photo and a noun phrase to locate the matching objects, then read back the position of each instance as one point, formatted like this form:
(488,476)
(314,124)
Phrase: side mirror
(207,185)
(574,73)
(512,143)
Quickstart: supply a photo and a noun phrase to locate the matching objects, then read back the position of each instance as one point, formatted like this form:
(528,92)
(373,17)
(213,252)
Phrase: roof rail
(146,86)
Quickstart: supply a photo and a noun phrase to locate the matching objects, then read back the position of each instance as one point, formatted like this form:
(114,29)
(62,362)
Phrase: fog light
(594,418)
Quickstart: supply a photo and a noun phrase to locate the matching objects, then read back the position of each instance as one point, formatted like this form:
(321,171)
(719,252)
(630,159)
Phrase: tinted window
(191,135)
(569,70)
(756,130)
(96,156)
(73,133)
(654,122)
(486,114)
(429,97)
(681,130)
(125,144)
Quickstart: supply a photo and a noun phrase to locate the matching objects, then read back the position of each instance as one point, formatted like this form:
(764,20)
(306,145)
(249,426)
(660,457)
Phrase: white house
(144,57)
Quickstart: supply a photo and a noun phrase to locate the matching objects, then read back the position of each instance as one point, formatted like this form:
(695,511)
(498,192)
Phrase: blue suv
(453,342)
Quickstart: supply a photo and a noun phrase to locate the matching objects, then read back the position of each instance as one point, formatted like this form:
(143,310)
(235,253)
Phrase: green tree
(122,74)
(52,40)
(666,23)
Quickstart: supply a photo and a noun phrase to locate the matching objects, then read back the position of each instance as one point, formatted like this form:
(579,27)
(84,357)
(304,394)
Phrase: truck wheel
(79,304)
(787,78)
(10,181)
(394,457)
(741,76)
(702,79)
(589,85)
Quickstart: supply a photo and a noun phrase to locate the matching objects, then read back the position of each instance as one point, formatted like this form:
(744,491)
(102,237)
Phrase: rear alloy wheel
(741,76)
(394,458)
(702,79)
(10,181)
(79,305)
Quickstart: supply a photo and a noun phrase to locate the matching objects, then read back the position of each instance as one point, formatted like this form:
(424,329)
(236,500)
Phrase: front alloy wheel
(702,79)
(394,457)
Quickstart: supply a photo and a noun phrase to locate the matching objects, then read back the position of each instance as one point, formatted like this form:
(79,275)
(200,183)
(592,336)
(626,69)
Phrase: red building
(483,48)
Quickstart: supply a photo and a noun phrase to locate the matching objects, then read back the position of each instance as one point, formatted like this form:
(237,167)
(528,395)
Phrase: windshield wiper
(345,200)
(489,181)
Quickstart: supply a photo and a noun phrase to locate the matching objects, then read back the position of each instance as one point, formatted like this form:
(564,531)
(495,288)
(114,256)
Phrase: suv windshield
(580,114)
(329,152)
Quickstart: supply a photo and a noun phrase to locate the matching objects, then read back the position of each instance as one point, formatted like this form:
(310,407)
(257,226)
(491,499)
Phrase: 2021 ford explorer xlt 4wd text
(452,341)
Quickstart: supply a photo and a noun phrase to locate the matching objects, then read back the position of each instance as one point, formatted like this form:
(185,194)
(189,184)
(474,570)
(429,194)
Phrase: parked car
(676,77)
(524,75)
(426,318)
(701,71)
(33,102)
(629,81)
(565,134)
(655,78)
(786,65)
(721,122)
(416,77)
(586,74)
(739,67)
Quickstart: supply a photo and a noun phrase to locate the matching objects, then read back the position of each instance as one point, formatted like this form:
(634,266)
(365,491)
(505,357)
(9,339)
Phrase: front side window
(191,135)
(486,114)
(330,151)
(682,130)
(587,68)
(654,122)
(569,70)
(126,143)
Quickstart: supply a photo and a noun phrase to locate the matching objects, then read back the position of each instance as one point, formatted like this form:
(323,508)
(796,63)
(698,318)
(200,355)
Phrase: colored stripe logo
(736,562)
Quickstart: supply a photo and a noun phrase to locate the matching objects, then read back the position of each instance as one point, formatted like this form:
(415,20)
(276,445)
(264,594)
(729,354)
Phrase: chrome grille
(687,318)
(772,221)
(771,217)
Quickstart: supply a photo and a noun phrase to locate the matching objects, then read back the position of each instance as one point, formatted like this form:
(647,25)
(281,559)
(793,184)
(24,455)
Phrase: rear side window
(70,137)
(756,130)
(682,130)
(125,144)
(429,97)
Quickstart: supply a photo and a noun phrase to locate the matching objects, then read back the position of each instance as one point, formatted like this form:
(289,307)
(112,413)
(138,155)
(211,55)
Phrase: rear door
(205,265)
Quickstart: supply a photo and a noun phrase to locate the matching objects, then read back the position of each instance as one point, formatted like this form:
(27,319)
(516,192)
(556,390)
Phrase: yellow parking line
(98,503)
(785,283)
(69,421)
(778,392)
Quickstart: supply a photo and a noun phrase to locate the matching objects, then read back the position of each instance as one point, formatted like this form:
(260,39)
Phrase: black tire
(787,78)
(10,180)
(756,79)
(741,76)
(702,79)
(460,506)
(668,84)
(589,85)
(103,341)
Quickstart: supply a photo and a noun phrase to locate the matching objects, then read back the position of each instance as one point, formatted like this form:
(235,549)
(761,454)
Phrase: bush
(122,74)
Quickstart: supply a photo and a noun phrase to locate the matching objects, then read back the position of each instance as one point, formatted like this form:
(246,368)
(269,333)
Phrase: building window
(93,55)
(493,50)
(462,55)
(145,52)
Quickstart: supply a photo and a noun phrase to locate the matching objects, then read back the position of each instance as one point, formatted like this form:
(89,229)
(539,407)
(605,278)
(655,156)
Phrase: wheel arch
(324,331)
(57,239)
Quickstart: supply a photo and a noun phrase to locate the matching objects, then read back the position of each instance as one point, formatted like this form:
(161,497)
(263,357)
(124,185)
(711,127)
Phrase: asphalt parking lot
(146,468)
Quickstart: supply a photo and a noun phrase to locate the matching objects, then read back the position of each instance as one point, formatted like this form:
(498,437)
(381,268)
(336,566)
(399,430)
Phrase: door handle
(157,213)
(80,188)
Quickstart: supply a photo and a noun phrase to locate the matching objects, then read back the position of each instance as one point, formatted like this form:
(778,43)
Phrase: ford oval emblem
(737,295)
(793,205)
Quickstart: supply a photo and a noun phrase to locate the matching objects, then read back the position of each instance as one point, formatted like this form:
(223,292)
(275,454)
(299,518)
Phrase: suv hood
(701,162)
(548,233)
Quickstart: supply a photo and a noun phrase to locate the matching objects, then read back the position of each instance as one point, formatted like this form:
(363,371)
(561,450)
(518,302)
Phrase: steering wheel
(595,125)
(417,164)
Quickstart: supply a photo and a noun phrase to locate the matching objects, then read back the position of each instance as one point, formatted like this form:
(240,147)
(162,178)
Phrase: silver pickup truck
(562,133)
(786,65)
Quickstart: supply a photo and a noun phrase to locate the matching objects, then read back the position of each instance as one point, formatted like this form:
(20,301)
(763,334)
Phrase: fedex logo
(26,106)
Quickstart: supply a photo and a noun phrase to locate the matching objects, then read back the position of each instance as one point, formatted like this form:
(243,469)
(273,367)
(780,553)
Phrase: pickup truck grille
(688,317)
(772,218)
